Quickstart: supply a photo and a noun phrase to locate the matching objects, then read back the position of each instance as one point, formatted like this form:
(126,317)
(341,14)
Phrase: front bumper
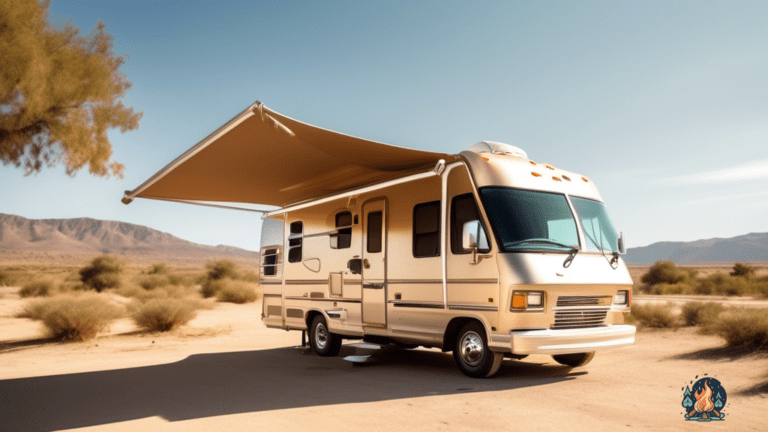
(568,341)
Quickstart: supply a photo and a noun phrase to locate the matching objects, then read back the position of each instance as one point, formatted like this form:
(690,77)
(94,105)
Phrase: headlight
(621,298)
(522,300)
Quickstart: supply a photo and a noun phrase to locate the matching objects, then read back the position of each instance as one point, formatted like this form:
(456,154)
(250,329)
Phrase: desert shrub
(102,273)
(153,281)
(670,289)
(248,276)
(740,269)
(747,328)
(666,272)
(221,269)
(69,285)
(211,287)
(722,284)
(701,313)
(239,292)
(159,269)
(6,279)
(40,288)
(654,316)
(159,315)
(72,318)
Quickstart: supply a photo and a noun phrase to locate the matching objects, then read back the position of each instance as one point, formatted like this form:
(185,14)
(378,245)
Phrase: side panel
(415,289)
(471,286)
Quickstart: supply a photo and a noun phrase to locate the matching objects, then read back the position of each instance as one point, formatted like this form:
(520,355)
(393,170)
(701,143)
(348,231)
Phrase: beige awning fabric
(263,157)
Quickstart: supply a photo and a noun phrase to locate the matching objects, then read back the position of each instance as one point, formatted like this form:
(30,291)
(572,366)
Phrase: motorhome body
(485,254)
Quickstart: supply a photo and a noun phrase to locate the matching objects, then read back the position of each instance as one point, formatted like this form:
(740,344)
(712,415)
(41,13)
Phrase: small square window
(342,239)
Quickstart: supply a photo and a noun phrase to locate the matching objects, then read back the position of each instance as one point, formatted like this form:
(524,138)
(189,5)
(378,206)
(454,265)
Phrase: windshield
(529,220)
(598,229)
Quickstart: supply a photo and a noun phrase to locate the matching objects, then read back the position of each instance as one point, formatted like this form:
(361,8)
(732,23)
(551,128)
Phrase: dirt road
(227,372)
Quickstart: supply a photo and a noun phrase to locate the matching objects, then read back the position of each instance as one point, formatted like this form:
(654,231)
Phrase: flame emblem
(705,400)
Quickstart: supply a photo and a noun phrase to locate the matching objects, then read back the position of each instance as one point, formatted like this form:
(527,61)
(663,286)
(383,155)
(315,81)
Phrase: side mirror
(470,233)
(621,247)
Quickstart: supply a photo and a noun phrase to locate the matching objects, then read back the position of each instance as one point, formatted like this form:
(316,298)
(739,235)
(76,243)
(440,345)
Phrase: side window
(464,209)
(295,241)
(269,262)
(343,238)
(374,232)
(426,230)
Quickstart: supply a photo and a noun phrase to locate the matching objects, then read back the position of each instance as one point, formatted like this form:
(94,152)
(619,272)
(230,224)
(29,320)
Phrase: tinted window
(463,209)
(270,262)
(426,230)
(343,238)
(295,242)
(374,232)
(530,220)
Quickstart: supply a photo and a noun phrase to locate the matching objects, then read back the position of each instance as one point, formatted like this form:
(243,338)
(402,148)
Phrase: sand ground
(226,371)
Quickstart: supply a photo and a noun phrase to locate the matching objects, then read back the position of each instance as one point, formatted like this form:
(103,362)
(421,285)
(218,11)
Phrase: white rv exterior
(419,286)
(485,253)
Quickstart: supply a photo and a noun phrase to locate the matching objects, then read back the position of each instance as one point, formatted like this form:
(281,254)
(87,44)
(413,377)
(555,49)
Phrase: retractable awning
(263,157)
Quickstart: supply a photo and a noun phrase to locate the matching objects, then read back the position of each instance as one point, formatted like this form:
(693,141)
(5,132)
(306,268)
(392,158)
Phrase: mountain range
(66,240)
(752,247)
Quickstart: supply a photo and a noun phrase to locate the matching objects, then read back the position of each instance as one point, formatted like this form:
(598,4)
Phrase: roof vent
(497,148)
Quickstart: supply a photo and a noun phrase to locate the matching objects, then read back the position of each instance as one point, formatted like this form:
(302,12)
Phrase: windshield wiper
(567,263)
(540,241)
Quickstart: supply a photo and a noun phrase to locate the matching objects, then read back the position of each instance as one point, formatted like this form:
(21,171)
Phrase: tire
(574,360)
(472,355)
(324,342)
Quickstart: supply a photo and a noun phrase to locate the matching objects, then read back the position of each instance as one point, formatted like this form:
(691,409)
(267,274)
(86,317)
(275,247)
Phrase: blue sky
(663,104)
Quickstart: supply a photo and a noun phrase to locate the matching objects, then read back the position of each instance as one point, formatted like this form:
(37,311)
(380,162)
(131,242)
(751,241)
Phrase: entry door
(374,263)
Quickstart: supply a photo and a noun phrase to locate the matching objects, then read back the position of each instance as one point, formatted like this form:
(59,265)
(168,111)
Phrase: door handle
(374,285)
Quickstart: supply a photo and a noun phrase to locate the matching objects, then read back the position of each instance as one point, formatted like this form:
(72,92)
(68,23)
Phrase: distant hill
(752,247)
(67,240)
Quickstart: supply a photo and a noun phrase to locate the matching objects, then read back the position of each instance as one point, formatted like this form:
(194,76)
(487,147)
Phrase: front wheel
(574,360)
(322,340)
(472,354)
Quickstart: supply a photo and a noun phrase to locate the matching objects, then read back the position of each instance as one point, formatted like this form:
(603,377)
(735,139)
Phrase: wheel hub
(471,349)
(321,336)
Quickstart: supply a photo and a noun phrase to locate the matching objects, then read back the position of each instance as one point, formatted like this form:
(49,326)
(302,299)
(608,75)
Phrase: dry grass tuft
(236,292)
(159,269)
(39,288)
(654,316)
(72,318)
(221,269)
(160,315)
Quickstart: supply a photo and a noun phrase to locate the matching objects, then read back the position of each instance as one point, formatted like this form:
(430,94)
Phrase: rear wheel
(472,354)
(322,340)
(574,360)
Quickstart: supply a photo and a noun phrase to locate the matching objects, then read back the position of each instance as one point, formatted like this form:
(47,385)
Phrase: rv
(486,253)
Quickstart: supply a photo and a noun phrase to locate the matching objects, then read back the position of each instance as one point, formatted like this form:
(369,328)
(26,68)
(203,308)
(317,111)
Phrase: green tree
(59,93)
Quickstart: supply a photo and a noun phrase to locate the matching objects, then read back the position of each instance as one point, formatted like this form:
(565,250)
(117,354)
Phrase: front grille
(565,301)
(580,318)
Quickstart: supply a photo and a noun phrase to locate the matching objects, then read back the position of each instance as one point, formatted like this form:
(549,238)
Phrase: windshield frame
(532,248)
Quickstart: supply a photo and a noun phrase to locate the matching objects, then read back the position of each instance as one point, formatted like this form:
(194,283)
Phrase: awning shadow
(207,385)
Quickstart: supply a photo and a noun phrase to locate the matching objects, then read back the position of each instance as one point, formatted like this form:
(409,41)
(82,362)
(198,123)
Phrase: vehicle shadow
(719,353)
(207,385)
